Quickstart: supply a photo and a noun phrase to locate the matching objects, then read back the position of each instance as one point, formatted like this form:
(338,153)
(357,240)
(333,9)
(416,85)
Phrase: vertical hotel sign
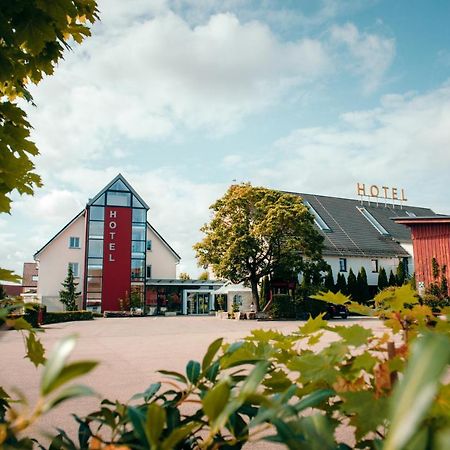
(116,257)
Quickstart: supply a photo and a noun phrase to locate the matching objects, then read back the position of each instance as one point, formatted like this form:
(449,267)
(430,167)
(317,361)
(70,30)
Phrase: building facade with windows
(360,233)
(111,248)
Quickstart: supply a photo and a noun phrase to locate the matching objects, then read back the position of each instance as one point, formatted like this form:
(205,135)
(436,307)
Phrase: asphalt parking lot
(130,351)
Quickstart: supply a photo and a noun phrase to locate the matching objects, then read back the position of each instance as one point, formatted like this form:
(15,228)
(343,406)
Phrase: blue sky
(183,97)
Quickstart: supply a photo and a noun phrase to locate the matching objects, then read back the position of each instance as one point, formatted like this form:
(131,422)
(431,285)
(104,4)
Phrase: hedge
(282,307)
(67,316)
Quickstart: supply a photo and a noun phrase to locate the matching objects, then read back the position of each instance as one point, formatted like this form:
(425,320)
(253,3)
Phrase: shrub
(435,303)
(67,316)
(282,307)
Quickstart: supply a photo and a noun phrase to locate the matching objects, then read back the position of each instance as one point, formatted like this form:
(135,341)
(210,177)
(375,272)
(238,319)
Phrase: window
(139,215)
(119,199)
(75,268)
(149,245)
(342,264)
(95,248)
(137,268)
(317,219)
(148,272)
(377,225)
(74,242)
(96,230)
(34,278)
(375,265)
(97,213)
(138,232)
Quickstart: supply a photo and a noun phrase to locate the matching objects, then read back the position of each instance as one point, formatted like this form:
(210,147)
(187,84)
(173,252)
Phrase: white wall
(356,262)
(160,257)
(53,263)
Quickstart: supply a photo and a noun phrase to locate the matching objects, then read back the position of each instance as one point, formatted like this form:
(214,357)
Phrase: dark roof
(351,233)
(30,270)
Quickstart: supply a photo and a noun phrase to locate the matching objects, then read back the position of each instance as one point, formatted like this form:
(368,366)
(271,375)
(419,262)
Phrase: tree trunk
(255,294)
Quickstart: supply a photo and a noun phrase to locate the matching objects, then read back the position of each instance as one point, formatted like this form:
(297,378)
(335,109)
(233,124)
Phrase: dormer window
(317,219)
(374,222)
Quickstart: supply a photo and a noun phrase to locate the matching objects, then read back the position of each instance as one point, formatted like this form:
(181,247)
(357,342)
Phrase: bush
(283,307)
(31,314)
(67,316)
(435,303)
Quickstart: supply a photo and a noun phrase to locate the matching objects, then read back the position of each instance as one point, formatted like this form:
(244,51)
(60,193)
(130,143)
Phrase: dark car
(339,311)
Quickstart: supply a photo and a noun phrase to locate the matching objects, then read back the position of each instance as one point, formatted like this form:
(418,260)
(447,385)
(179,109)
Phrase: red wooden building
(431,239)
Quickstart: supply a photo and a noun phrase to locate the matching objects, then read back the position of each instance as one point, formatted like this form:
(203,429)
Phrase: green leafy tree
(382,279)
(33,37)
(401,275)
(254,231)
(352,285)
(204,276)
(341,284)
(392,279)
(329,280)
(362,286)
(69,295)
(184,276)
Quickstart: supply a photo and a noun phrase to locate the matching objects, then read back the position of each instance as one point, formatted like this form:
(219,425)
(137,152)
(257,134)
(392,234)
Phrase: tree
(255,231)
(264,296)
(33,37)
(401,274)
(184,276)
(382,279)
(352,285)
(204,276)
(362,286)
(341,284)
(68,296)
(329,280)
(392,279)
(2,292)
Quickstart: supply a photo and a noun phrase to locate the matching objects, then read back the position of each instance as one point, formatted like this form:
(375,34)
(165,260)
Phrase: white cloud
(372,54)
(158,76)
(403,142)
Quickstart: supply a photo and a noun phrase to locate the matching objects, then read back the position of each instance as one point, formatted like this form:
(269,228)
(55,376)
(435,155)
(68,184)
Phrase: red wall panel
(430,241)
(116,257)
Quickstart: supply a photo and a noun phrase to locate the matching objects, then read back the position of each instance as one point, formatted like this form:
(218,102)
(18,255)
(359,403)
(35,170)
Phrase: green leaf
(67,394)
(176,375)
(364,362)
(355,335)
(330,297)
(212,371)
(254,379)
(193,371)
(313,325)
(178,435)
(35,350)
(137,418)
(155,421)
(22,324)
(70,372)
(415,393)
(313,399)
(216,399)
(8,275)
(56,362)
(210,353)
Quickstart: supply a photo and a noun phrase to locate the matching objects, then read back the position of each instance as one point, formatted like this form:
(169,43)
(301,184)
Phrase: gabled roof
(352,234)
(177,256)
(58,233)
(122,179)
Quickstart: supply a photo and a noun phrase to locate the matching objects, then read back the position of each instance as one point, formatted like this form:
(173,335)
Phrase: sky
(185,97)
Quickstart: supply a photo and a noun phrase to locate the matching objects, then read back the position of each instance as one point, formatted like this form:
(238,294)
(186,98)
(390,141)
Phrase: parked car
(333,311)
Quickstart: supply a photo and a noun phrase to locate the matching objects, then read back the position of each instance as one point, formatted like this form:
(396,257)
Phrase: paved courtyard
(129,351)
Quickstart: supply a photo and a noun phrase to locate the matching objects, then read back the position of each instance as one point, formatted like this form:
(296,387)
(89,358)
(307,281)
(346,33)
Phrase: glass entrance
(198,303)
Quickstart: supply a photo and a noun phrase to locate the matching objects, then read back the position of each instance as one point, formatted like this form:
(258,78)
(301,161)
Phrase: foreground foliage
(387,389)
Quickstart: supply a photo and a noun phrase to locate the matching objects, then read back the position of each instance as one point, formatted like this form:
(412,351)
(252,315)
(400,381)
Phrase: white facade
(53,261)
(54,258)
(370,265)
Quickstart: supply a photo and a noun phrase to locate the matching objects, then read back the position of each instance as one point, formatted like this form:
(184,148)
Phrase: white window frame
(75,269)
(74,239)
